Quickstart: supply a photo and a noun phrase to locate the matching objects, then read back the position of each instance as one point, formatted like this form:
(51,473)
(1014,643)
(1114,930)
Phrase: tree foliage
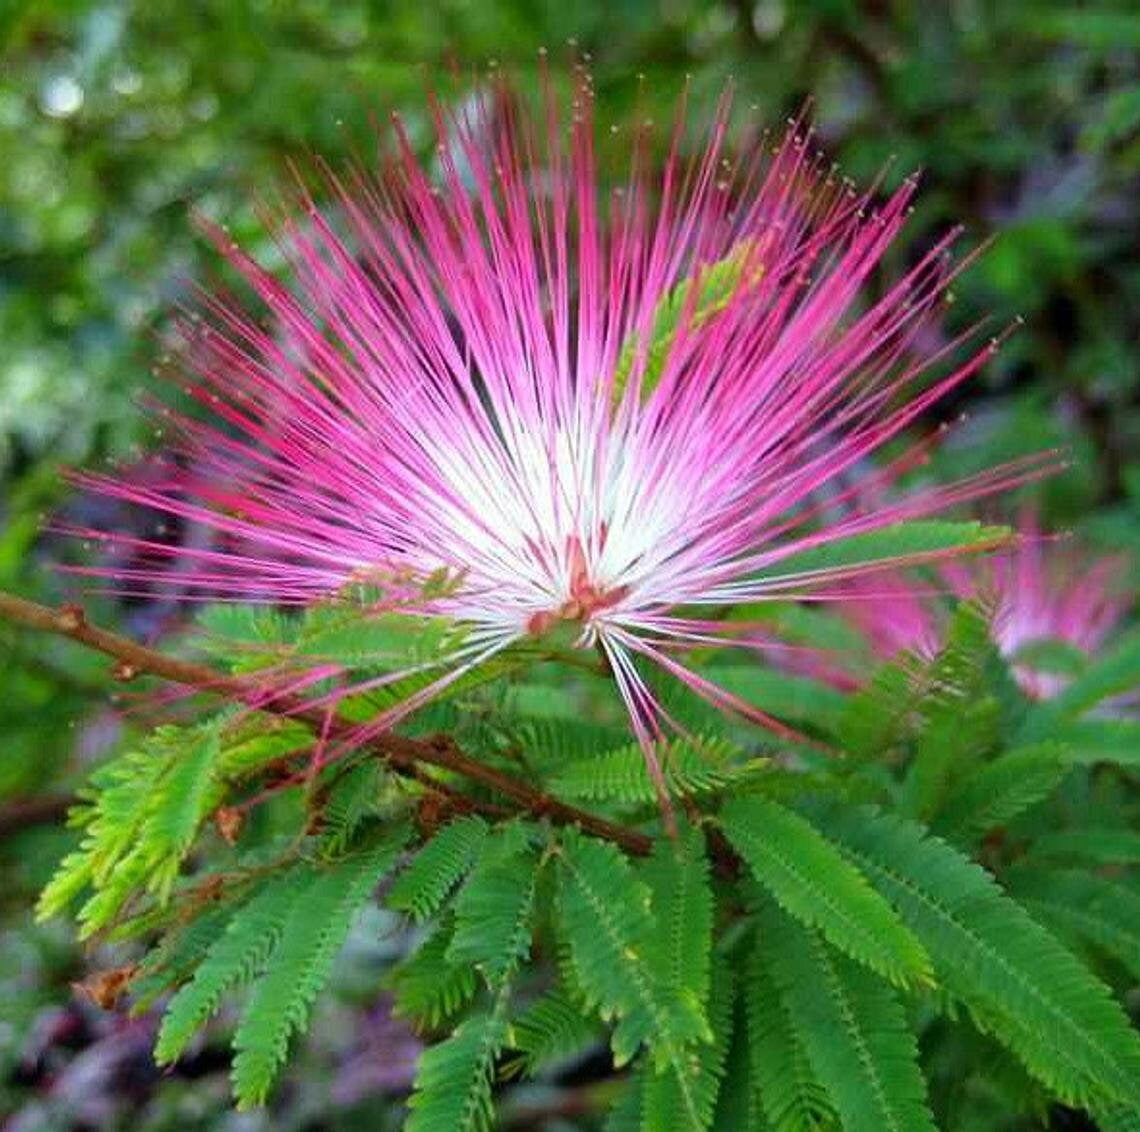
(770,964)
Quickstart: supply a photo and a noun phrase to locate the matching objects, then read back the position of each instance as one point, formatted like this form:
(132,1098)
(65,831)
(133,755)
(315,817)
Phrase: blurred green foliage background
(118,118)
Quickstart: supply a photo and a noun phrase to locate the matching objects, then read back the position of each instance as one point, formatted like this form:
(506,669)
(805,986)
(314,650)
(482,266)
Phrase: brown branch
(404,754)
(23,813)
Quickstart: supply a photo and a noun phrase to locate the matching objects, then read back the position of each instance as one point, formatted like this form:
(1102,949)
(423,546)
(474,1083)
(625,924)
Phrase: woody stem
(405,755)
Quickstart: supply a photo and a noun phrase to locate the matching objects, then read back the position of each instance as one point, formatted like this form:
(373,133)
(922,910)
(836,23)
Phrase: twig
(404,754)
(23,813)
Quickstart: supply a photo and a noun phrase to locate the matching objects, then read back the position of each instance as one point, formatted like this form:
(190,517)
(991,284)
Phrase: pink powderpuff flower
(1043,590)
(465,370)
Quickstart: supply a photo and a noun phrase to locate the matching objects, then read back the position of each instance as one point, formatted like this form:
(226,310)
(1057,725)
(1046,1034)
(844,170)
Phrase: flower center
(586,598)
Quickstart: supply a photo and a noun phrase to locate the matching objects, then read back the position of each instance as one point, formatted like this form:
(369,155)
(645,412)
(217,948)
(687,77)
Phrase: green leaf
(692,768)
(146,808)
(352,801)
(423,887)
(1118,1118)
(879,715)
(555,743)
(792,1097)
(1096,845)
(494,907)
(961,704)
(427,986)
(605,920)
(1100,740)
(796,699)
(300,963)
(232,632)
(247,746)
(738,1101)
(950,744)
(1051,654)
(358,637)
(453,1082)
(492,933)
(625,1113)
(185,797)
(897,544)
(1019,983)
(551,1029)
(701,296)
(813,882)
(677,874)
(996,792)
(543,702)
(663,1094)
(72,875)
(174,960)
(235,957)
(1086,907)
(853,1029)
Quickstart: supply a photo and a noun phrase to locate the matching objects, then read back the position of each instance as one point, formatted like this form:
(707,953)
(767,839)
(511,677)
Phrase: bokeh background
(118,118)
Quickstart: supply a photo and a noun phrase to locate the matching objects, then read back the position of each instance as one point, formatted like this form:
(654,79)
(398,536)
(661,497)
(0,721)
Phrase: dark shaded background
(115,118)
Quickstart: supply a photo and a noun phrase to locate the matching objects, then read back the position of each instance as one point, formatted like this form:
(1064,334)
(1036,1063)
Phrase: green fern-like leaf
(1118,1118)
(922,701)
(960,710)
(244,636)
(421,889)
(952,740)
(235,957)
(356,638)
(111,814)
(698,298)
(624,1114)
(252,741)
(677,874)
(300,963)
(185,797)
(1095,845)
(791,1096)
(453,1084)
(691,768)
(555,743)
(1098,740)
(494,907)
(811,880)
(921,540)
(664,1095)
(492,933)
(427,986)
(1086,907)
(174,960)
(550,1030)
(879,715)
(853,1029)
(996,792)
(1114,672)
(738,1100)
(353,799)
(1019,983)
(145,810)
(606,922)
(542,702)
(797,699)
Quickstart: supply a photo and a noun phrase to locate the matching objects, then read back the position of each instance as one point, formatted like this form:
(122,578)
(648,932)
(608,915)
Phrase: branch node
(228,820)
(124,671)
(70,618)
